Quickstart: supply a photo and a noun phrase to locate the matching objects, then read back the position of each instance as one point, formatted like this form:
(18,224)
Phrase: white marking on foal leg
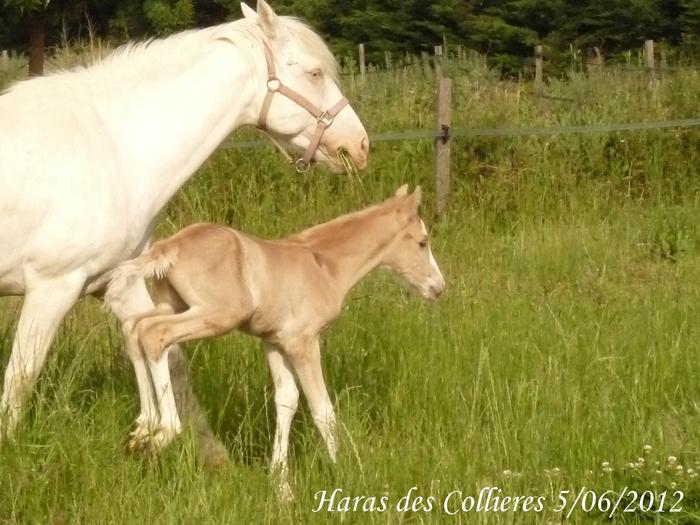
(307,364)
(286,403)
(170,425)
(44,307)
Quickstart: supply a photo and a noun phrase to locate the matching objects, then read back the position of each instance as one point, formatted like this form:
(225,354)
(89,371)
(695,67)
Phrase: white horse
(89,157)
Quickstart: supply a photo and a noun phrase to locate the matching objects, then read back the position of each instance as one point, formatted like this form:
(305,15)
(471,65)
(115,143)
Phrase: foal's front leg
(286,402)
(306,360)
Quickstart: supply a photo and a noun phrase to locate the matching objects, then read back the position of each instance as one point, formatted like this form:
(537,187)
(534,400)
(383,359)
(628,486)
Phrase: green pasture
(567,340)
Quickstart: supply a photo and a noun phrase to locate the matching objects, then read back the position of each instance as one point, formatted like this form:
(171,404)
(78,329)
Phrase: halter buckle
(325,119)
(273,85)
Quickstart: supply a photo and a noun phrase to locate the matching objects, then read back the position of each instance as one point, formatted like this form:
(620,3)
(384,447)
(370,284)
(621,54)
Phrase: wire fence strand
(397,136)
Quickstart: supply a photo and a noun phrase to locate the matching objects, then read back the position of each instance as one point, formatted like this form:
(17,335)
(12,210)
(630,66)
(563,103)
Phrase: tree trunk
(37,30)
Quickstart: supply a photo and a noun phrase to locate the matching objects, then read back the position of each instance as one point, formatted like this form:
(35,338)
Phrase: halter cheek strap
(323,118)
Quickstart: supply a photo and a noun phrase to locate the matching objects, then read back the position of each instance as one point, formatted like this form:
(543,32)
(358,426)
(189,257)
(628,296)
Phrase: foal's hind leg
(156,335)
(211,451)
(129,308)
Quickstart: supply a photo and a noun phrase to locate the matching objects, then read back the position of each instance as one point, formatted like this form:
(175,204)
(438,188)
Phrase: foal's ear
(417,196)
(267,19)
(248,12)
(403,190)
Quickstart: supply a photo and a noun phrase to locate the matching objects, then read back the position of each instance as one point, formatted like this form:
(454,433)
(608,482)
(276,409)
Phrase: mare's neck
(167,125)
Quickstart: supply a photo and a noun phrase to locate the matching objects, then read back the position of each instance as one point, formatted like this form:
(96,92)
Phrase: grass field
(566,343)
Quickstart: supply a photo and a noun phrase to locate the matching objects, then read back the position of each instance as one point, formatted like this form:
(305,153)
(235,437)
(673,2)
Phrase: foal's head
(409,253)
(304,65)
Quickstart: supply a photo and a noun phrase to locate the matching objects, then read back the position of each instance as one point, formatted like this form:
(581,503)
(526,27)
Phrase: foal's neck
(352,245)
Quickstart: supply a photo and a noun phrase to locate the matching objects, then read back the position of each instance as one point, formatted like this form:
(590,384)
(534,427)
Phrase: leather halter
(323,118)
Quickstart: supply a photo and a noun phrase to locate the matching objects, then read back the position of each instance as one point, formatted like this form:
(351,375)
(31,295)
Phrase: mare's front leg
(45,305)
(306,361)
(286,403)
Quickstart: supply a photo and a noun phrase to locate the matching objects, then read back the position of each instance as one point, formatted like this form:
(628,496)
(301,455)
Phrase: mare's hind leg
(44,307)
(156,335)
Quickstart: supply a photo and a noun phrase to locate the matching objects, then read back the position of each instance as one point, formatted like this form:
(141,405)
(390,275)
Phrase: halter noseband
(323,118)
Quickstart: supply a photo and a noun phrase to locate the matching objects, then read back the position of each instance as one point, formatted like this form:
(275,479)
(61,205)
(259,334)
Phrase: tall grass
(566,342)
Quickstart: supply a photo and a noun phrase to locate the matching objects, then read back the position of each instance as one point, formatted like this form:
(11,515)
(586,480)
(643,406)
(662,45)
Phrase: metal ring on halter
(301,165)
(273,85)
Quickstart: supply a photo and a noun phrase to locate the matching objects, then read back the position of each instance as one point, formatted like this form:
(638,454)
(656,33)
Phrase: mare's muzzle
(324,119)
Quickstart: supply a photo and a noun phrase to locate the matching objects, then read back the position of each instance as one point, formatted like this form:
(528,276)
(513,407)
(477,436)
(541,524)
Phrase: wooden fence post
(4,61)
(361,53)
(539,66)
(438,61)
(442,143)
(649,59)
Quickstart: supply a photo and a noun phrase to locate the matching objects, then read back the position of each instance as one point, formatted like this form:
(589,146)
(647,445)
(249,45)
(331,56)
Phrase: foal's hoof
(284,492)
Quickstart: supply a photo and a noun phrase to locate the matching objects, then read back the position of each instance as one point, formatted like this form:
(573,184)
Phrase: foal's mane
(151,59)
(342,227)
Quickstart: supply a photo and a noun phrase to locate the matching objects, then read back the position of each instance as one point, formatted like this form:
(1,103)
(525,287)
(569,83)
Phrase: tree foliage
(505,30)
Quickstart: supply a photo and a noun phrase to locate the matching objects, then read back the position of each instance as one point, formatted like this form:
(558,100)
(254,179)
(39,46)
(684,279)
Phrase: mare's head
(409,253)
(304,66)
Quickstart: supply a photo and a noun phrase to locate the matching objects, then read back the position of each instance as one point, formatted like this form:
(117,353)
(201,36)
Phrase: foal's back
(272,285)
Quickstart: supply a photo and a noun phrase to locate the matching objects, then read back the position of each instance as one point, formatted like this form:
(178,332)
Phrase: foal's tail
(156,262)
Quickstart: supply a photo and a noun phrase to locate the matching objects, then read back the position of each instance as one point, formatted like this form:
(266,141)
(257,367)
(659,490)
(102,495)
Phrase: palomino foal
(211,279)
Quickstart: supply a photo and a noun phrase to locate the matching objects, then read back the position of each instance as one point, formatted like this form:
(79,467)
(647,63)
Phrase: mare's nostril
(364,145)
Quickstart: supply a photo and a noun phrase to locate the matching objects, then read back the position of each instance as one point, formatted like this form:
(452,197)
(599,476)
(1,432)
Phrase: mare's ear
(248,12)
(268,20)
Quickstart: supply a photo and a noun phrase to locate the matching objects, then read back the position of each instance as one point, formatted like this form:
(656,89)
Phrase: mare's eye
(316,74)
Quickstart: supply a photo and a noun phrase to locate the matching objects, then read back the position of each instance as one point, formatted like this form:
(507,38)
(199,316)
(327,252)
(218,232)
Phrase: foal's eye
(423,243)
